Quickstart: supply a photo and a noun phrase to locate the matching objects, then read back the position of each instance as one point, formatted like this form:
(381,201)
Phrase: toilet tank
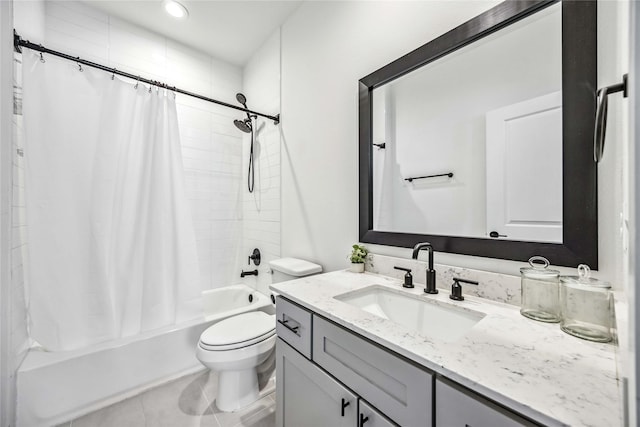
(292,268)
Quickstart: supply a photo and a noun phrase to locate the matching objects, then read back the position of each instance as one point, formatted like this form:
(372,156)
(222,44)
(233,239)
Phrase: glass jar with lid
(539,288)
(586,306)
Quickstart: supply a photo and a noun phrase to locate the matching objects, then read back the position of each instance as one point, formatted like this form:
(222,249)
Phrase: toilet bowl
(240,347)
(235,348)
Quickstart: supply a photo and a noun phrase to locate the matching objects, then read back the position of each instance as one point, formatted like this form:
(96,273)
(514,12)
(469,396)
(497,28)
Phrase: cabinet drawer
(399,389)
(458,407)
(294,325)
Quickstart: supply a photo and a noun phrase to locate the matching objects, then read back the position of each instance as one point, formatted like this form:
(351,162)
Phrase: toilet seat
(238,331)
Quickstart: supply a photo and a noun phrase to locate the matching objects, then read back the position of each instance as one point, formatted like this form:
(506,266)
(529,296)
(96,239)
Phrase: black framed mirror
(579,228)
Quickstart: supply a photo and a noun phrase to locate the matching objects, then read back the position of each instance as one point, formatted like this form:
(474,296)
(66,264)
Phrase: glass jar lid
(539,269)
(583,279)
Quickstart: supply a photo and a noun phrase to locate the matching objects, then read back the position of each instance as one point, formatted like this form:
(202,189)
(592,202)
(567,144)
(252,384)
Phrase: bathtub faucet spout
(249,273)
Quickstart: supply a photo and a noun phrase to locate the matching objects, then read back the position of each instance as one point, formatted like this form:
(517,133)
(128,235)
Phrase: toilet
(241,346)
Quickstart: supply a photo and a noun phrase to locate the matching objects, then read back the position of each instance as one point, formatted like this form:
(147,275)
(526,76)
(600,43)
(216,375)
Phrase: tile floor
(185,402)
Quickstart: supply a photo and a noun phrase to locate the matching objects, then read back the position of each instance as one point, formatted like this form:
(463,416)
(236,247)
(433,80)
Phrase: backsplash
(492,286)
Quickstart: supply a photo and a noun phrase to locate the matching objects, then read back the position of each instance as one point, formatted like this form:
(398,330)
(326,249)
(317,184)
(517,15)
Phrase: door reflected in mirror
(473,141)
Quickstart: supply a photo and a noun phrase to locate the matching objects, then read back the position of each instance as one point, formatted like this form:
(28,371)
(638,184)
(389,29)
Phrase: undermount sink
(427,317)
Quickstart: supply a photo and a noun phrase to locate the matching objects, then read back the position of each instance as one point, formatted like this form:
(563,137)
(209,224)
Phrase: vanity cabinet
(368,416)
(307,396)
(457,406)
(329,376)
(293,324)
(398,388)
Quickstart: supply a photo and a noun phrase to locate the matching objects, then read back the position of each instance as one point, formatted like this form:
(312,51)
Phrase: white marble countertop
(531,367)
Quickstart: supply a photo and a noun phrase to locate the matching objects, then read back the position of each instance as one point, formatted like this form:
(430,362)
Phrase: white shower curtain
(110,240)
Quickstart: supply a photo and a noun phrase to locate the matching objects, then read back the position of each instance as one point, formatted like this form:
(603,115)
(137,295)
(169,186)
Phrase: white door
(524,170)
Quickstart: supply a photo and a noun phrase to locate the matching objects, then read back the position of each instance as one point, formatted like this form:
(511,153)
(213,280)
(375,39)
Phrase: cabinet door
(306,396)
(457,407)
(370,417)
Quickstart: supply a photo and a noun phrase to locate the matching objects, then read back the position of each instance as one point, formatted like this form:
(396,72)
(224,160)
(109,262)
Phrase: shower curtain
(110,241)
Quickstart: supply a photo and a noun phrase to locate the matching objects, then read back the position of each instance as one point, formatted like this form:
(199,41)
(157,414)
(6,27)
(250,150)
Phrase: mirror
(476,141)
(477,133)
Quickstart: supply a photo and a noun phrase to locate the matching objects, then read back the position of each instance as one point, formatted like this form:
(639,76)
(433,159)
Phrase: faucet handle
(255,257)
(456,288)
(408,278)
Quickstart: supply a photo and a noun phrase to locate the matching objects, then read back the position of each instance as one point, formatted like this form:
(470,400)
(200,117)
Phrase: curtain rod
(19,42)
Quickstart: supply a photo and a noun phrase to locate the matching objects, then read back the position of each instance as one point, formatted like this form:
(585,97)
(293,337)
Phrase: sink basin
(427,317)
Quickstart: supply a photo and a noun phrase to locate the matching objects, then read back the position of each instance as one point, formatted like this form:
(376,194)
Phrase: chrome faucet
(431,273)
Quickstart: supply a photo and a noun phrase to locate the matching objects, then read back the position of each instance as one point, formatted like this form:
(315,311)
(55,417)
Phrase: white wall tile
(261,209)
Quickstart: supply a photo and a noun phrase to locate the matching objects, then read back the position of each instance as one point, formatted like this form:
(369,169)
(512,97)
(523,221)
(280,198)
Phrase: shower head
(244,125)
(241,99)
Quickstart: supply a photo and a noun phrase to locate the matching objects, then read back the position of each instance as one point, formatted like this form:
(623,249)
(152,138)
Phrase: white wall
(212,147)
(261,209)
(326,49)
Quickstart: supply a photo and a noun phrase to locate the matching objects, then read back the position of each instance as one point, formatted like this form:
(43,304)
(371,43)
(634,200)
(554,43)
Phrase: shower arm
(19,43)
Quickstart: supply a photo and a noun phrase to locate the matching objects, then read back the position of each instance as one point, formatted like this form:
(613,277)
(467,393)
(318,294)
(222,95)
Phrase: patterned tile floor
(185,402)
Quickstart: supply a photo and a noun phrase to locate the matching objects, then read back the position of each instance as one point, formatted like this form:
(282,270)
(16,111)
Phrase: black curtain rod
(19,42)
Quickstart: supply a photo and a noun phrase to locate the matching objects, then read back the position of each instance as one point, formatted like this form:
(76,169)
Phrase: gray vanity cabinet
(370,417)
(458,407)
(328,376)
(400,389)
(308,397)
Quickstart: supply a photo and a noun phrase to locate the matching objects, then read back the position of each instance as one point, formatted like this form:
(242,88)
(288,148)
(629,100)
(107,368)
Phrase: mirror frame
(579,186)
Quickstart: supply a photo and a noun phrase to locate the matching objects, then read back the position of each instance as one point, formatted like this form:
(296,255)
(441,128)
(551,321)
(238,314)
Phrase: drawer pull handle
(363,420)
(345,403)
(293,329)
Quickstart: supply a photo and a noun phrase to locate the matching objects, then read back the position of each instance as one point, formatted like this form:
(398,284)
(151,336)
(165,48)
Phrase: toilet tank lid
(295,267)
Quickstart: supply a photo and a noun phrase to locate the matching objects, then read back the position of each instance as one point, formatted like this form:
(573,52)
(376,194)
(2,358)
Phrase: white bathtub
(55,387)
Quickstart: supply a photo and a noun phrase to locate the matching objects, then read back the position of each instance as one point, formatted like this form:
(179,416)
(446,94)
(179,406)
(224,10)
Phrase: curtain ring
(79,65)
(42,57)
(137,82)
(150,86)
(113,74)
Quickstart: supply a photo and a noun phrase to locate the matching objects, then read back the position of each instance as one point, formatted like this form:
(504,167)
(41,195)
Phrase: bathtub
(56,387)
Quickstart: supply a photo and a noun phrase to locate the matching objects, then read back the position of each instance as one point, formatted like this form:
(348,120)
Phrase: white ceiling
(228,30)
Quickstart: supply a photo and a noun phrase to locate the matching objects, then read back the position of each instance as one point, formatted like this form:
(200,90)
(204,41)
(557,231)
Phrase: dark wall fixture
(579,60)
(601,116)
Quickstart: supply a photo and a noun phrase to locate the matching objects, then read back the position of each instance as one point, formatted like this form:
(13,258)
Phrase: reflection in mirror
(490,114)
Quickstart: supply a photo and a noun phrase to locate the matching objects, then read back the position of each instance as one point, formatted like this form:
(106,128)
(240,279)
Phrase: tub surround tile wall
(17,313)
(9,355)
(261,209)
(531,367)
(503,288)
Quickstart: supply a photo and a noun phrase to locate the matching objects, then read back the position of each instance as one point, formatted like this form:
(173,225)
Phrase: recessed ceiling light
(175,9)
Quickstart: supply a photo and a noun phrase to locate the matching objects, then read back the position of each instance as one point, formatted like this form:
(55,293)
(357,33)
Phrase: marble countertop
(531,367)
